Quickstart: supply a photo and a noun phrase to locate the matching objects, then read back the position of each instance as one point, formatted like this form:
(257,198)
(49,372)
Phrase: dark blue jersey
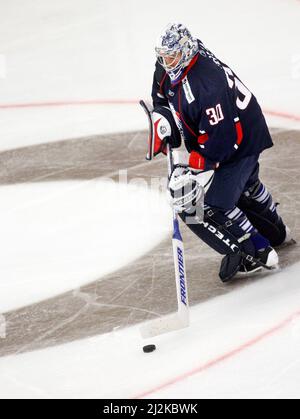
(217,116)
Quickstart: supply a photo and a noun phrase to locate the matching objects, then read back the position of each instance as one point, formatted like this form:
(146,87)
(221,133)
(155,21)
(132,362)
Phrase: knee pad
(258,205)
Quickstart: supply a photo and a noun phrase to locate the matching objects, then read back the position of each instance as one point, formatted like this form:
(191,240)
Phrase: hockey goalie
(217,132)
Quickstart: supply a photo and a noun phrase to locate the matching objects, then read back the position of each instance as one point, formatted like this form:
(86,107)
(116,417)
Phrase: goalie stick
(150,153)
(180,319)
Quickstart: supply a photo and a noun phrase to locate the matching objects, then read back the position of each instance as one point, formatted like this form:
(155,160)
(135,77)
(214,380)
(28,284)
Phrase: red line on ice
(222,358)
(282,115)
(98,102)
(68,103)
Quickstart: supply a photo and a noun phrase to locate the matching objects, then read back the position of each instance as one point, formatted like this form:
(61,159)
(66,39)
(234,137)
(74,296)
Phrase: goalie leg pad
(257,203)
(226,232)
(230,234)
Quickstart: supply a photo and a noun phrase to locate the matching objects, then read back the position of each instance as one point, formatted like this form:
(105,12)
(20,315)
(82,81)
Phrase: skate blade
(248,274)
(291,242)
(257,271)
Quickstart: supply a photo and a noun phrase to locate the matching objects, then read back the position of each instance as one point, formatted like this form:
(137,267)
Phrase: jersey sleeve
(158,97)
(220,131)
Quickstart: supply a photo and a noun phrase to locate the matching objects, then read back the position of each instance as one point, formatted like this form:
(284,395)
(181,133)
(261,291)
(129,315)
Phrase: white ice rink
(81,55)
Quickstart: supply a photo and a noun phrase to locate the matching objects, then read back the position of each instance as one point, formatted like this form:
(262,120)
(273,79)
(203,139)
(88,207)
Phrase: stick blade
(166,324)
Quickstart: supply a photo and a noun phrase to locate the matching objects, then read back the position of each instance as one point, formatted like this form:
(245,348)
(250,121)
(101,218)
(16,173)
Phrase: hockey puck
(149,348)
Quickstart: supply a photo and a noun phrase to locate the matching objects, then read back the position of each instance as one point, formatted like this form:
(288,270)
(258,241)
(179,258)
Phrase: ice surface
(114,365)
(67,50)
(61,235)
(75,50)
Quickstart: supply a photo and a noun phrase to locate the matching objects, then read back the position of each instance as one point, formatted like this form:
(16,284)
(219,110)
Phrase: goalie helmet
(175,49)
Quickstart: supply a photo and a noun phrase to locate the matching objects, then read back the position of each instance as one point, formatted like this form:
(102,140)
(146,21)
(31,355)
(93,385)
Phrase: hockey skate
(265,259)
(288,241)
(240,264)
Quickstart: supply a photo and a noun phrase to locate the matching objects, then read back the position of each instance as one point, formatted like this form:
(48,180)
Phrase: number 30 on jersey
(215,115)
(243,99)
